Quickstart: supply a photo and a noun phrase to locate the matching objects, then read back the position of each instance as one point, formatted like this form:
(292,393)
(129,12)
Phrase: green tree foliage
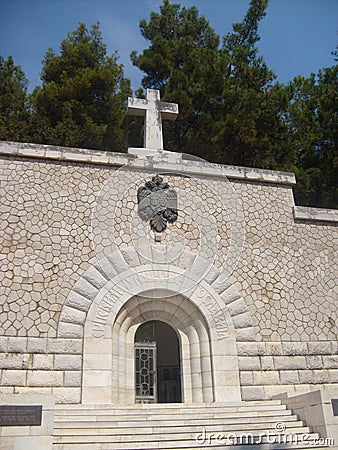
(184,63)
(227,109)
(83,96)
(13,105)
(249,123)
(313,126)
(231,109)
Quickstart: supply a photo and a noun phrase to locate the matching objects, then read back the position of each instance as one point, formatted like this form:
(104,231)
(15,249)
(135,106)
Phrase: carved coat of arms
(157,203)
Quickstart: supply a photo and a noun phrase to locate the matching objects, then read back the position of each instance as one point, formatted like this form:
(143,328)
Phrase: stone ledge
(314,409)
(63,153)
(190,167)
(315,214)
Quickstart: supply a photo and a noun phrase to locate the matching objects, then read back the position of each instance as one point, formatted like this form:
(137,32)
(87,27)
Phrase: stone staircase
(259,425)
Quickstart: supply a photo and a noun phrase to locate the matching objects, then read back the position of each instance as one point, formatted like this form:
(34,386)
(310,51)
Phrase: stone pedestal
(29,437)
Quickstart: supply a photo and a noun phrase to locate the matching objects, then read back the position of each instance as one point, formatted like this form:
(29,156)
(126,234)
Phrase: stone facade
(280,303)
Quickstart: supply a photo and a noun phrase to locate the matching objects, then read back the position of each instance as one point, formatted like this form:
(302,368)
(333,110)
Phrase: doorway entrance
(157,364)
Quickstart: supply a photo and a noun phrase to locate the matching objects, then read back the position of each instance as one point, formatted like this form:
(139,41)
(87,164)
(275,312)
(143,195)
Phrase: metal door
(145,372)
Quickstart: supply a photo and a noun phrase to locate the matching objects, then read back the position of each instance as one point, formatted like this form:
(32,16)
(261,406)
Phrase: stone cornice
(158,162)
(315,214)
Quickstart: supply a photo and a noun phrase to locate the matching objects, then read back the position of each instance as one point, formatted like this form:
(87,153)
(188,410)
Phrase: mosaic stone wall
(286,271)
(288,267)
(45,212)
(286,274)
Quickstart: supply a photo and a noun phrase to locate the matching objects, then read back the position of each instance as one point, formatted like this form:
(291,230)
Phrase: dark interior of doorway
(168,359)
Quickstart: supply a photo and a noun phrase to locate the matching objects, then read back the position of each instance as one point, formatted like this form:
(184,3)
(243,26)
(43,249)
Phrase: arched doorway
(157,364)
(207,344)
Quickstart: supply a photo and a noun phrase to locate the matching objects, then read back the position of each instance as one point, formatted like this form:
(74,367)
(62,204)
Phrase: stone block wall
(271,368)
(42,366)
(54,367)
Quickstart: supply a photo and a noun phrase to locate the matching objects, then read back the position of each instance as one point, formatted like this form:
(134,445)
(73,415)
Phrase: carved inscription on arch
(108,302)
(217,314)
(103,311)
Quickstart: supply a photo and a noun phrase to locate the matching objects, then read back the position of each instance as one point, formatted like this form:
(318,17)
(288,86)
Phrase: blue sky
(297,36)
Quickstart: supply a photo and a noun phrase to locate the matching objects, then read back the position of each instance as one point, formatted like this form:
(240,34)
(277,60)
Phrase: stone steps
(254,405)
(178,417)
(177,426)
(173,423)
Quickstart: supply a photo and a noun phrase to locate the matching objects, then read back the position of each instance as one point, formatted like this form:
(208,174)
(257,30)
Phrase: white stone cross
(154,111)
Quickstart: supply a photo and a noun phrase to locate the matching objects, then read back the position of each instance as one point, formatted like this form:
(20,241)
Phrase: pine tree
(82,102)
(13,105)
(229,111)
(312,117)
(183,62)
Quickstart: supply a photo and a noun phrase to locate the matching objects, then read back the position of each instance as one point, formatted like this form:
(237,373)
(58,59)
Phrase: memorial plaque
(334,402)
(20,415)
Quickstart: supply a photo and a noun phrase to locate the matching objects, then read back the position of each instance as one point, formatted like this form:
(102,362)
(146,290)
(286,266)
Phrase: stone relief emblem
(157,203)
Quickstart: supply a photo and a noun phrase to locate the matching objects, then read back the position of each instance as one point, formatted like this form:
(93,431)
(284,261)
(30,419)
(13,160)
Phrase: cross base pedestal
(156,155)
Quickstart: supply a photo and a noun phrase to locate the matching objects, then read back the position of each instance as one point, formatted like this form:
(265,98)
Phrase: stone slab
(120,159)
(20,415)
(315,214)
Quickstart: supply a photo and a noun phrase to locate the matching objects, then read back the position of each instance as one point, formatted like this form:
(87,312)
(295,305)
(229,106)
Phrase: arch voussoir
(209,320)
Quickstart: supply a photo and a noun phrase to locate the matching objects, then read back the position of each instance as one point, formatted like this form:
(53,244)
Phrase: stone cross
(154,111)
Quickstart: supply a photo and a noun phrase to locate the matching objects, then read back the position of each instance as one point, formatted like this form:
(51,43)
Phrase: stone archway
(208,321)
(191,327)
(209,357)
